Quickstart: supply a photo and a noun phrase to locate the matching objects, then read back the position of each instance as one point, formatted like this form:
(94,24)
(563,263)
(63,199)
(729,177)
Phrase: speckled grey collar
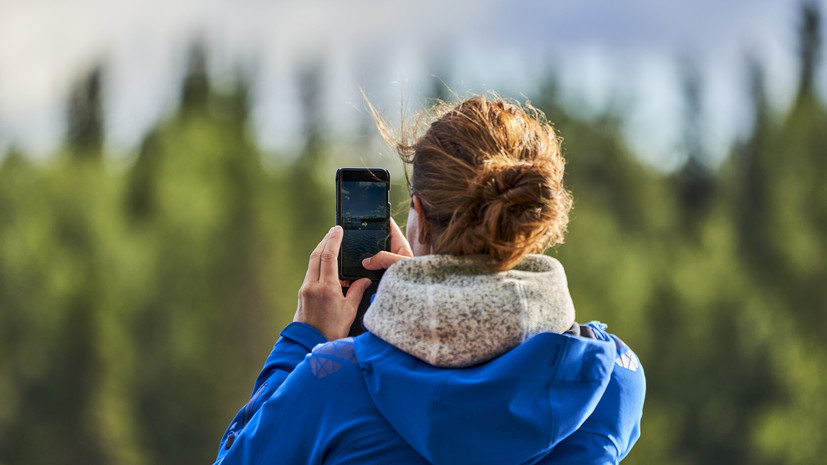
(450,312)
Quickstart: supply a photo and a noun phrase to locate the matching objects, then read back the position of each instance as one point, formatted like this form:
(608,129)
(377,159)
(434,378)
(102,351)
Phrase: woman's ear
(423,223)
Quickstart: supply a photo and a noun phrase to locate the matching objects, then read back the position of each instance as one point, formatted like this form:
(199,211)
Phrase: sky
(622,52)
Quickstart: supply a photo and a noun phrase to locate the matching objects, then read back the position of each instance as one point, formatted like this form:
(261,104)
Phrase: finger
(399,244)
(315,261)
(354,294)
(381,260)
(329,268)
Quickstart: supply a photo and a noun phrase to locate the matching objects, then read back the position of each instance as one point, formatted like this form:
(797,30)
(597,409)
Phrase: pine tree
(196,86)
(85,120)
(694,181)
(314,213)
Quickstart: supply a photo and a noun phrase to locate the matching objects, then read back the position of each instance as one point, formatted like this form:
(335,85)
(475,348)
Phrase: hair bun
(514,184)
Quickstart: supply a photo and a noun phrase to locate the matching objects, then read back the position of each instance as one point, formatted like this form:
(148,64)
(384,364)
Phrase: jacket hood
(511,410)
(469,366)
(451,312)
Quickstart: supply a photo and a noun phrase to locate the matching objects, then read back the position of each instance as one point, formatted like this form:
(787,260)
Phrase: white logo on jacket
(628,360)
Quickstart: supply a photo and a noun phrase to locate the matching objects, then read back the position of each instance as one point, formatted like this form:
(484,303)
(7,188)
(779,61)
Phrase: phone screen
(363,212)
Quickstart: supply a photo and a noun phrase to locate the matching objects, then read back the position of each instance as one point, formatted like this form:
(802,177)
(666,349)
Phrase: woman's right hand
(400,250)
(321,303)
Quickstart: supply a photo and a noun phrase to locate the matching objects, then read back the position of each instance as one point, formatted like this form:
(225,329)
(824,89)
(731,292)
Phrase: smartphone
(364,211)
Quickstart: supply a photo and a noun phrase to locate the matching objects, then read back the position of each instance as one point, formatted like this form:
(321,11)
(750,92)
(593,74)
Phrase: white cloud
(603,47)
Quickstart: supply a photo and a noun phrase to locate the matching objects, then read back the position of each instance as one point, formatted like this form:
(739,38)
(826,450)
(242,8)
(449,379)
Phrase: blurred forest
(138,300)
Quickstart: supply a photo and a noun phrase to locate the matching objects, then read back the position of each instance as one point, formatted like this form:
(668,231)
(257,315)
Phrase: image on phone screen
(364,218)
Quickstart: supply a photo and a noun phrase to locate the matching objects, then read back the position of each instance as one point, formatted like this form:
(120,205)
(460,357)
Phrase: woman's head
(487,176)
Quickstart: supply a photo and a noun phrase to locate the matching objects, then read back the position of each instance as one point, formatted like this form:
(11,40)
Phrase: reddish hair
(489,176)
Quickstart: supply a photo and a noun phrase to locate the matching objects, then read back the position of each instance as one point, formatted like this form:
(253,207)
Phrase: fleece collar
(451,312)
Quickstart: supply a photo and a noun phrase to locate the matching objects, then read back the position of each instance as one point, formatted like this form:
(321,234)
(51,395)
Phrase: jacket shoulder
(330,357)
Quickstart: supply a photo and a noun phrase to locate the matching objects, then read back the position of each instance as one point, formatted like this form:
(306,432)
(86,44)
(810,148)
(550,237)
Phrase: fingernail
(366,261)
(331,229)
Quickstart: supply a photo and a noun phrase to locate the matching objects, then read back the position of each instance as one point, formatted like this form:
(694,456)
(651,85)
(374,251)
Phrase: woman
(472,354)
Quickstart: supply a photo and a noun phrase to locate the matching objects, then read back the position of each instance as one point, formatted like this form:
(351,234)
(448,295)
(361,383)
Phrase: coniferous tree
(314,213)
(196,86)
(440,77)
(750,178)
(799,170)
(694,180)
(142,200)
(85,120)
(809,49)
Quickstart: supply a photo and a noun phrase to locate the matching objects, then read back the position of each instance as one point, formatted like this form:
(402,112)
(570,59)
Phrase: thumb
(355,291)
(383,259)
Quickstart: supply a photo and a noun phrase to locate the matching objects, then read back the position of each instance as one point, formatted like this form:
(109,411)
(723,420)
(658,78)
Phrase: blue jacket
(554,399)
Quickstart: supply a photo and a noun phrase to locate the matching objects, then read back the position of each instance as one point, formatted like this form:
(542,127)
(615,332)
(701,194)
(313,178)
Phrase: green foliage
(137,305)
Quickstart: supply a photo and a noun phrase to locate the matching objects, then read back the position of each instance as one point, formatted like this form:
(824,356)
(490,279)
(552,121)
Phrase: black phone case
(339,174)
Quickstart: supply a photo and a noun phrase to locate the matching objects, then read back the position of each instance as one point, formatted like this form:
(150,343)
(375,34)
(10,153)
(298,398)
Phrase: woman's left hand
(321,303)
(400,250)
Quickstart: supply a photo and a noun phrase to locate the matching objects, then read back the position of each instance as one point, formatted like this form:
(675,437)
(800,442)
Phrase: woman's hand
(400,250)
(321,303)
